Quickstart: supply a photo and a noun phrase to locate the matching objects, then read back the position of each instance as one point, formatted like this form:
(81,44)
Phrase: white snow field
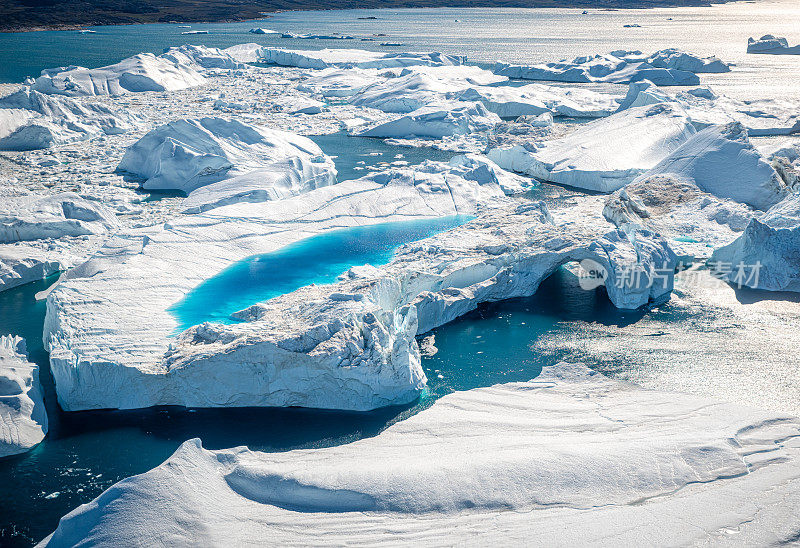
(774,45)
(354,58)
(568,458)
(605,154)
(23,420)
(142,72)
(188,154)
(665,68)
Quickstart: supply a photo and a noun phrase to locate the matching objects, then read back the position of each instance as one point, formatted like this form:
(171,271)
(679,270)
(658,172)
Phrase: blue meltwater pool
(315,260)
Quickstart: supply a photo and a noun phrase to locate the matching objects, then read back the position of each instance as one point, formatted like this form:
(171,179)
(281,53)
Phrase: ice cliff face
(577,454)
(23,420)
(188,154)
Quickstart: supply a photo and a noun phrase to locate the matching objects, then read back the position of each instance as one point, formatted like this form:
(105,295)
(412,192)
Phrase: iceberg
(29,217)
(30,120)
(437,121)
(535,99)
(417,87)
(245,53)
(705,108)
(142,72)
(605,154)
(201,58)
(772,45)
(354,342)
(722,161)
(354,58)
(570,457)
(23,419)
(263,31)
(336,82)
(188,154)
(616,67)
(128,350)
(767,254)
(680,60)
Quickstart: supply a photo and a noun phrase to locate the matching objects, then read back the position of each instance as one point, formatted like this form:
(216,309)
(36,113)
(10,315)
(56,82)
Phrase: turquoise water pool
(315,260)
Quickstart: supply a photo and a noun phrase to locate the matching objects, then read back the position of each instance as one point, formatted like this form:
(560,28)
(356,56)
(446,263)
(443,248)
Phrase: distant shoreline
(18,17)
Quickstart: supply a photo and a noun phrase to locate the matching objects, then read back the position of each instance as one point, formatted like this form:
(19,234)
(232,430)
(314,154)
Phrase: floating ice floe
(23,420)
(620,67)
(773,45)
(767,254)
(187,154)
(535,99)
(354,58)
(437,121)
(581,456)
(201,58)
(30,120)
(142,72)
(417,87)
(605,154)
(145,272)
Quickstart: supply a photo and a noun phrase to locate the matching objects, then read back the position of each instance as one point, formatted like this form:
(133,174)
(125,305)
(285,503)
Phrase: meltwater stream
(85,452)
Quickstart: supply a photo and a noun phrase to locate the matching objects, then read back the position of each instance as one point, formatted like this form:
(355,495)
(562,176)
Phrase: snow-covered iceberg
(705,108)
(142,72)
(773,45)
(535,99)
(680,60)
(568,458)
(767,254)
(352,342)
(188,154)
(722,161)
(23,420)
(259,30)
(416,87)
(354,58)
(245,53)
(605,154)
(29,217)
(201,58)
(30,120)
(616,67)
(437,121)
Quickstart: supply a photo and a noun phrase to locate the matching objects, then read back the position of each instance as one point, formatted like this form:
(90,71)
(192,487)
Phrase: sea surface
(484,35)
